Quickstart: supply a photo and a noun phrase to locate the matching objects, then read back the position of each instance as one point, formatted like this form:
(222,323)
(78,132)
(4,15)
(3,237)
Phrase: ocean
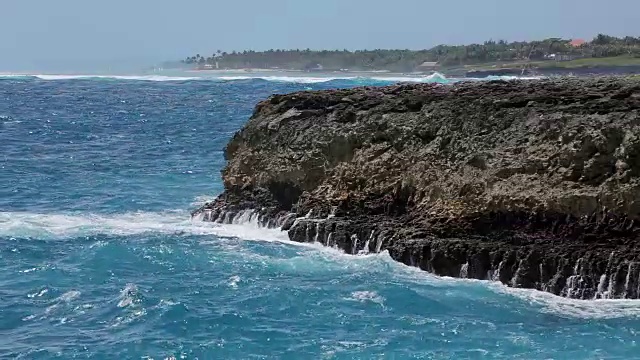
(99,258)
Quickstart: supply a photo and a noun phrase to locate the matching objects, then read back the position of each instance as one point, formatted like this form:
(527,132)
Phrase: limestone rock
(532,183)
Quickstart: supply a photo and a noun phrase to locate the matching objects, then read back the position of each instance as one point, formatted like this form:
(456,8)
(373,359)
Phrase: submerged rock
(532,183)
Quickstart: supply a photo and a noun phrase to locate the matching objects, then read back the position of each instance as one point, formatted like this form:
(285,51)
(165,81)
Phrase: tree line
(409,60)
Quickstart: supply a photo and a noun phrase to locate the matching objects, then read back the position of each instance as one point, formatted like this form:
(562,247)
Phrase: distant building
(209,66)
(314,67)
(577,42)
(428,65)
(564,57)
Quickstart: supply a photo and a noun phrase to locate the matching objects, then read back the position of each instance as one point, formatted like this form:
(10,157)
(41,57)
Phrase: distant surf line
(433,78)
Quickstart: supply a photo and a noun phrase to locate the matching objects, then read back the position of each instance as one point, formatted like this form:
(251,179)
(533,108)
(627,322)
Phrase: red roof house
(577,42)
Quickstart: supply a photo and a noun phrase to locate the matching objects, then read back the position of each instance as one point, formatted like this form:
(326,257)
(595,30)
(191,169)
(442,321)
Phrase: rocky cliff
(532,183)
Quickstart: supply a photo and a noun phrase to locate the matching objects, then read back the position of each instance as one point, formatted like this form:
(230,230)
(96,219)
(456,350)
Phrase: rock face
(532,183)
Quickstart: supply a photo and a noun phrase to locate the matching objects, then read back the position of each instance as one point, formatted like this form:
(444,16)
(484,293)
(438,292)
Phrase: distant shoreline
(470,72)
(253,71)
(515,57)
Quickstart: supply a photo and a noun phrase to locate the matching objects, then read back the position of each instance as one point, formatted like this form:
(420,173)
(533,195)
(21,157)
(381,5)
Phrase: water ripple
(99,258)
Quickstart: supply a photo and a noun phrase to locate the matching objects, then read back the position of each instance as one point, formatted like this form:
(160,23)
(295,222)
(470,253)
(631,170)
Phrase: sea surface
(99,258)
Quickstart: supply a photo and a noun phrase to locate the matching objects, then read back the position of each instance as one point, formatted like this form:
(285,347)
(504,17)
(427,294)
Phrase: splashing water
(100,259)
(283,78)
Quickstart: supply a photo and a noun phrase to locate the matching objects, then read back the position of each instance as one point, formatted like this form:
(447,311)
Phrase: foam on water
(54,77)
(201,200)
(546,302)
(86,274)
(287,79)
(321,258)
(61,226)
(318,258)
(365,296)
(433,78)
(436,77)
(583,309)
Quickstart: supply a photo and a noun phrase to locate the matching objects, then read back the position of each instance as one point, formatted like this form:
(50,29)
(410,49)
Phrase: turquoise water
(99,259)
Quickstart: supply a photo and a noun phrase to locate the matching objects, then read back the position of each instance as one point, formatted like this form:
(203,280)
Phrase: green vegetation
(602,50)
(624,60)
(585,62)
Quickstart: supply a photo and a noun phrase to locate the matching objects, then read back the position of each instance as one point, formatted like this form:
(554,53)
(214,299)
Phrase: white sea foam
(436,77)
(38,294)
(233,281)
(287,79)
(433,78)
(129,300)
(118,77)
(506,77)
(587,309)
(202,199)
(61,226)
(128,296)
(53,77)
(546,302)
(68,296)
(367,296)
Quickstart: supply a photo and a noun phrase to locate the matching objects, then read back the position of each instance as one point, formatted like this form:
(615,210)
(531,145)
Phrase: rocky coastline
(583,71)
(535,184)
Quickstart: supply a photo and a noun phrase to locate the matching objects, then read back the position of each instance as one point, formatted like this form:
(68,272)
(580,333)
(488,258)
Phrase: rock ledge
(532,183)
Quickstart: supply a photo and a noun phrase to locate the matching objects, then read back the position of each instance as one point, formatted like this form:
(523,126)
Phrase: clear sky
(52,35)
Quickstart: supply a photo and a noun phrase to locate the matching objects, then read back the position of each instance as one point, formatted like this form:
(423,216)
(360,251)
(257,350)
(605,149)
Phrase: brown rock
(532,183)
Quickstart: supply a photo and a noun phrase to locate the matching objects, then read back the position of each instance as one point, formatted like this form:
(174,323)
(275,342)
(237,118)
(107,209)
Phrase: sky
(77,35)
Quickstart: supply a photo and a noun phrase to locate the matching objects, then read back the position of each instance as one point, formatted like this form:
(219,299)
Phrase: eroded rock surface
(532,183)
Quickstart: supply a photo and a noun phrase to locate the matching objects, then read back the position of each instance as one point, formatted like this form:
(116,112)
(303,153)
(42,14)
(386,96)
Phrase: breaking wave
(54,77)
(433,78)
(62,226)
(79,258)
(582,309)
(544,301)
(436,77)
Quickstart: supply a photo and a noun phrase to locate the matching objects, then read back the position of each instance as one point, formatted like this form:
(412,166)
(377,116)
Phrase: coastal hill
(535,184)
(603,50)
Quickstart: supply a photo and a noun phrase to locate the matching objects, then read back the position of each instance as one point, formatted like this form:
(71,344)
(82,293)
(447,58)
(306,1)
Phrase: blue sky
(68,35)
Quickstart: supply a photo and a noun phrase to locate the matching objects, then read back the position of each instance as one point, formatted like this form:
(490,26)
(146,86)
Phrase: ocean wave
(54,77)
(507,78)
(117,77)
(583,309)
(63,226)
(316,258)
(546,302)
(366,296)
(436,77)
(202,199)
(433,78)
(284,79)
(319,259)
